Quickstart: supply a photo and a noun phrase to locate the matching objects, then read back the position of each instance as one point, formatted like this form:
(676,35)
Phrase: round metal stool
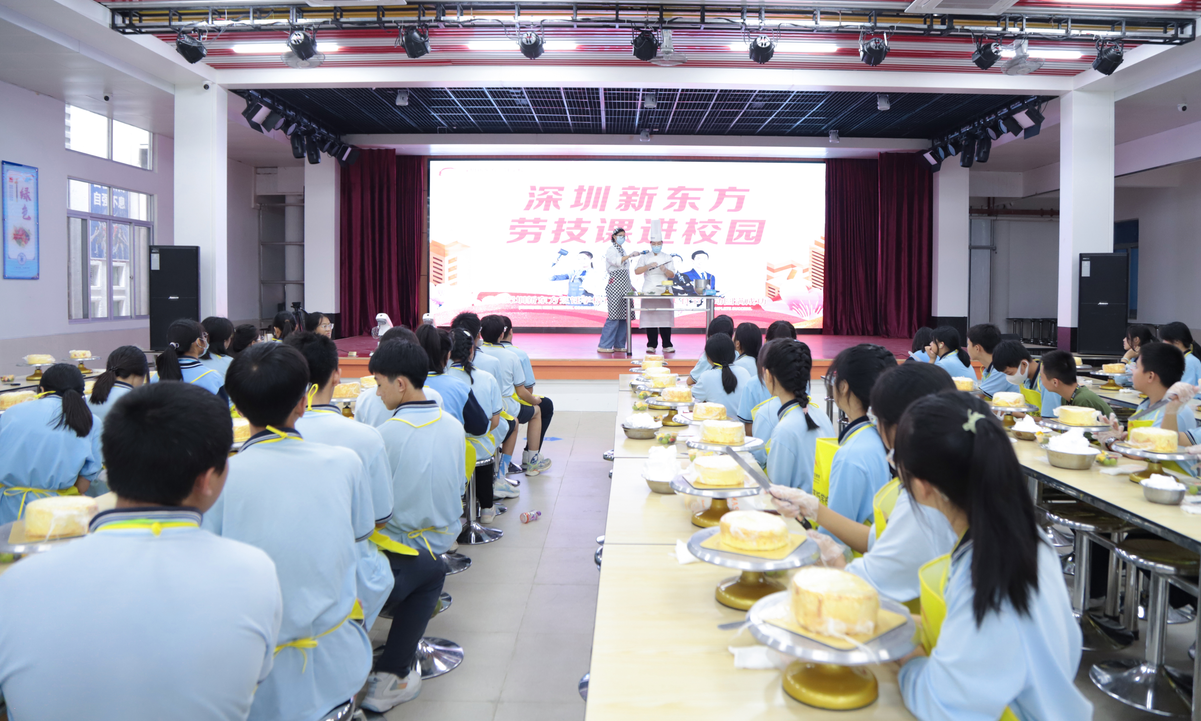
(609,455)
(474,533)
(583,687)
(500,509)
(1144,684)
(1088,523)
(597,556)
(455,562)
(437,656)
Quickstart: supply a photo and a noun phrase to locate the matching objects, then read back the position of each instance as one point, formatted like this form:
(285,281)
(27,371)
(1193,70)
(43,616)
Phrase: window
(109,237)
(97,135)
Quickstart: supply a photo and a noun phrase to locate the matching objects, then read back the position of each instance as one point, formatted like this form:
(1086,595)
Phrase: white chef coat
(652,282)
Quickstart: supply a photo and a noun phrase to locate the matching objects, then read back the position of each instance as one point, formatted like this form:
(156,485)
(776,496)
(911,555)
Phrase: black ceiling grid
(368,111)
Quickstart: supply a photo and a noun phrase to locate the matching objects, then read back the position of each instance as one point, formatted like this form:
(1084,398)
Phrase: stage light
(275,48)
(986,55)
(954,147)
(1012,125)
(531,45)
(646,46)
(882,102)
(298,149)
(1031,121)
(255,113)
(312,149)
(650,102)
(834,139)
(996,129)
(644,136)
(328,145)
(1109,57)
(349,156)
(402,97)
(302,45)
(872,52)
(968,155)
(983,148)
(934,158)
(190,48)
(416,40)
(762,49)
(273,121)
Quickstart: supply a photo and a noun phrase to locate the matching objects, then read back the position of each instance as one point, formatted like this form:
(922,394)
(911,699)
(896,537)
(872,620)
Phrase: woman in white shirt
(613,334)
(656,269)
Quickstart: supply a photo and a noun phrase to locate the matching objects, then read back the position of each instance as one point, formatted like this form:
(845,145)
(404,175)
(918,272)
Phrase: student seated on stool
(1059,377)
(185,632)
(306,504)
(369,408)
(519,401)
(546,409)
(982,341)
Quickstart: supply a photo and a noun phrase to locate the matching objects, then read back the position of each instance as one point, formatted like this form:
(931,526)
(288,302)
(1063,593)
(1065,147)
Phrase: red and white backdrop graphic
(527,238)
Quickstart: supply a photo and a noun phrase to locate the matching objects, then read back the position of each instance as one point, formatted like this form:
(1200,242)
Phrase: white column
(952,233)
(322,204)
(1086,150)
(201,179)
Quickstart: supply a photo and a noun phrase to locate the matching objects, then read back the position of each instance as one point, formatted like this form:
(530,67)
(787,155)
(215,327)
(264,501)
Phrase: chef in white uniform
(656,269)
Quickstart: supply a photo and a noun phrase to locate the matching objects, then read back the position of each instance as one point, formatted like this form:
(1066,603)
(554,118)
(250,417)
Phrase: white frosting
(1161,482)
(1027,424)
(662,464)
(1071,442)
(642,420)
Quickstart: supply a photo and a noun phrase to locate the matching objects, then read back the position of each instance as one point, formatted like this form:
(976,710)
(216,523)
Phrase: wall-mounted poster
(20,221)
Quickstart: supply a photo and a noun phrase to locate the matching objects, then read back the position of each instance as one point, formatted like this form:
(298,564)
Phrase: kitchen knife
(758,476)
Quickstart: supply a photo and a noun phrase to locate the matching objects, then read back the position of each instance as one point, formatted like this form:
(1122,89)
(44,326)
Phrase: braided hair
(462,347)
(719,349)
(790,363)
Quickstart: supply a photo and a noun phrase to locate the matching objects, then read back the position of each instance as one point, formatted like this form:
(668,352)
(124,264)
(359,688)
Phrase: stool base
(609,455)
(475,535)
(1137,683)
(455,562)
(583,687)
(823,685)
(444,602)
(500,509)
(437,656)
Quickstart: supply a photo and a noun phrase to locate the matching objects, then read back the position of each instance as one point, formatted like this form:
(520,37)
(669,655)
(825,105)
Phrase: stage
(573,356)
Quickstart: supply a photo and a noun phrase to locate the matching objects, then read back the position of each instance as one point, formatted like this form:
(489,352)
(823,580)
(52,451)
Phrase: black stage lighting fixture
(762,48)
(190,48)
(934,158)
(312,149)
(1109,57)
(328,145)
(968,155)
(646,46)
(996,129)
(1012,125)
(416,40)
(986,55)
(273,121)
(872,52)
(531,45)
(298,149)
(1031,121)
(983,148)
(255,113)
(349,157)
(954,147)
(302,44)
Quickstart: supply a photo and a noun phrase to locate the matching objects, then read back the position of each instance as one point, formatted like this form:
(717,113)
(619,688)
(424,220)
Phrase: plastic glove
(833,553)
(1115,431)
(1193,450)
(1178,395)
(793,502)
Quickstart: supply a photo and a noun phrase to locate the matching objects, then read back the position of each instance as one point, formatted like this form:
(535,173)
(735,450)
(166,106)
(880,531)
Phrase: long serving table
(709,303)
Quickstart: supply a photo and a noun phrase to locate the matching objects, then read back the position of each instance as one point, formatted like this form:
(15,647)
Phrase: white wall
(33,132)
(1024,272)
(243,249)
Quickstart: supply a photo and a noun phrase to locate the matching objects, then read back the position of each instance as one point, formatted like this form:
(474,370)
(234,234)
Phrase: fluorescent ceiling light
(792,47)
(277,48)
(1047,54)
(504,45)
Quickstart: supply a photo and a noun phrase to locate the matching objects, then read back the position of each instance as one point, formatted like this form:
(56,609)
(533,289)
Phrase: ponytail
(181,335)
(243,337)
(790,363)
(948,336)
(463,343)
(430,340)
(65,380)
(952,442)
(719,349)
(286,322)
(749,338)
(220,330)
(126,361)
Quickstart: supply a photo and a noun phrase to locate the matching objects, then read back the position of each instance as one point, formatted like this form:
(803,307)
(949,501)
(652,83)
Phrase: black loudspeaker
(1103,299)
(174,289)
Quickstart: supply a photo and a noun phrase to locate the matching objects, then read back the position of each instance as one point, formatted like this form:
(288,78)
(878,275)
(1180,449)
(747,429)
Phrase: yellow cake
(656,371)
(1007,399)
(709,412)
(241,430)
(8,400)
(719,471)
(81,354)
(368,382)
(648,364)
(964,384)
(677,395)
(1113,367)
(726,433)
(347,390)
(35,359)
(833,602)
(1077,416)
(652,357)
(88,386)
(665,380)
(1078,359)
(59,516)
(753,531)
(1158,440)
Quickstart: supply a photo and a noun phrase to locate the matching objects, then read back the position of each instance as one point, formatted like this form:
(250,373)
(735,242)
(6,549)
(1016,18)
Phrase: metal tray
(1007,410)
(679,484)
(891,646)
(1126,450)
(752,444)
(1057,426)
(805,554)
(25,549)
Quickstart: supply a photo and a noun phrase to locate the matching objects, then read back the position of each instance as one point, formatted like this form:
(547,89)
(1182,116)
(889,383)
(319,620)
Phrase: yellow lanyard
(414,425)
(420,533)
(155,527)
(279,436)
(302,644)
(38,492)
(43,394)
(388,544)
(309,397)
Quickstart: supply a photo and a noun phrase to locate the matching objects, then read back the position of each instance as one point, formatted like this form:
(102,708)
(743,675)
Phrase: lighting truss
(1022,118)
(265,112)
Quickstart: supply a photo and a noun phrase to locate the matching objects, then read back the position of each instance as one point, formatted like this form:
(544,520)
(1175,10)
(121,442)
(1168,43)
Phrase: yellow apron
(387,544)
(933,577)
(1033,396)
(37,492)
(303,644)
(823,463)
(882,504)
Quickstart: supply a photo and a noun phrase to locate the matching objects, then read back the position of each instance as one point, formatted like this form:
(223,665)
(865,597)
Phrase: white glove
(833,552)
(1179,394)
(1193,450)
(1115,431)
(793,502)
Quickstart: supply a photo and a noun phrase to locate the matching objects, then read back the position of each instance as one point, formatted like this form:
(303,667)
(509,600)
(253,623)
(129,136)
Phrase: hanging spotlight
(273,121)
(882,102)
(834,139)
(531,45)
(416,40)
(934,158)
(983,148)
(349,156)
(762,49)
(1012,125)
(996,129)
(646,46)
(402,97)
(255,113)
(872,52)
(954,147)
(986,55)
(650,102)
(298,145)
(1031,121)
(1109,56)
(968,155)
(312,149)
(302,44)
(191,48)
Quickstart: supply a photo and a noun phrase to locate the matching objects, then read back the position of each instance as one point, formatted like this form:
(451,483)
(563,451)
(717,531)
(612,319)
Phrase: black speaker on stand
(174,289)
(1103,303)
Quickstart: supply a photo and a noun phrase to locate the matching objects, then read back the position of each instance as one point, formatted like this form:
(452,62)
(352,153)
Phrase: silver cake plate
(24,549)
(679,484)
(1064,427)
(751,444)
(805,554)
(1007,410)
(890,646)
(1133,452)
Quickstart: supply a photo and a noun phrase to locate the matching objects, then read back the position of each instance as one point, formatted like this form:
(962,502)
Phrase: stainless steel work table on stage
(709,302)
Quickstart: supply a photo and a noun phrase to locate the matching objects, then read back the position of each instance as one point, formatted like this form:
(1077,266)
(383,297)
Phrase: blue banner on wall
(21,257)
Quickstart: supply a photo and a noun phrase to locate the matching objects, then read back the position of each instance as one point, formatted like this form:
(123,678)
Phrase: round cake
(656,371)
(368,382)
(81,354)
(964,384)
(36,359)
(1157,440)
(709,412)
(753,531)
(1077,416)
(719,471)
(1007,399)
(676,394)
(241,430)
(649,363)
(664,380)
(651,357)
(833,602)
(1113,367)
(8,400)
(726,433)
(59,516)
(347,390)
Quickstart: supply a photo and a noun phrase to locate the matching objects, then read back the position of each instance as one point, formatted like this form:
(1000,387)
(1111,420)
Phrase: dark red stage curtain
(852,239)
(382,221)
(879,238)
(906,244)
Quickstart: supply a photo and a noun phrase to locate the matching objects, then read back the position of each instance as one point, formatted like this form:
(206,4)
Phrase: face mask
(656,249)
(1020,377)
(621,239)
(205,349)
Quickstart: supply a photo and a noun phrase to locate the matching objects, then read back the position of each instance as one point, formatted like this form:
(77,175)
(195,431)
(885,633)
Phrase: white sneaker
(534,463)
(604,350)
(500,489)
(386,690)
(488,515)
(668,349)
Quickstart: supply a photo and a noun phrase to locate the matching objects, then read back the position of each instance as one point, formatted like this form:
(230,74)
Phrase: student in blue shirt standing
(998,631)
(307,505)
(945,351)
(1177,334)
(125,369)
(792,449)
(982,341)
(49,445)
(725,381)
(186,342)
(187,620)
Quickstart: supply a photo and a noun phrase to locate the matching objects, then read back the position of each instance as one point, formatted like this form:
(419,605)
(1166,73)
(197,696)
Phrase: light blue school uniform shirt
(860,468)
(219,363)
(511,375)
(369,407)
(427,456)
(993,381)
(35,454)
(454,393)
(487,363)
(307,505)
(1192,369)
(914,536)
(181,625)
(920,356)
(709,389)
(699,369)
(326,424)
(197,374)
(527,368)
(792,450)
(753,395)
(748,364)
(951,364)
(764,418)
(487,392)
(100,410)
(1026,662)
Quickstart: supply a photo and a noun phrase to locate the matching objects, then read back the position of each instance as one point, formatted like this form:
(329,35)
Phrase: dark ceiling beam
(773,115)
(740,112)
(499,112)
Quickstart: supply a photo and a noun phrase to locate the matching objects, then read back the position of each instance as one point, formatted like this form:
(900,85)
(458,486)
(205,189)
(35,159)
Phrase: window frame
(150,147)
(137,264)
